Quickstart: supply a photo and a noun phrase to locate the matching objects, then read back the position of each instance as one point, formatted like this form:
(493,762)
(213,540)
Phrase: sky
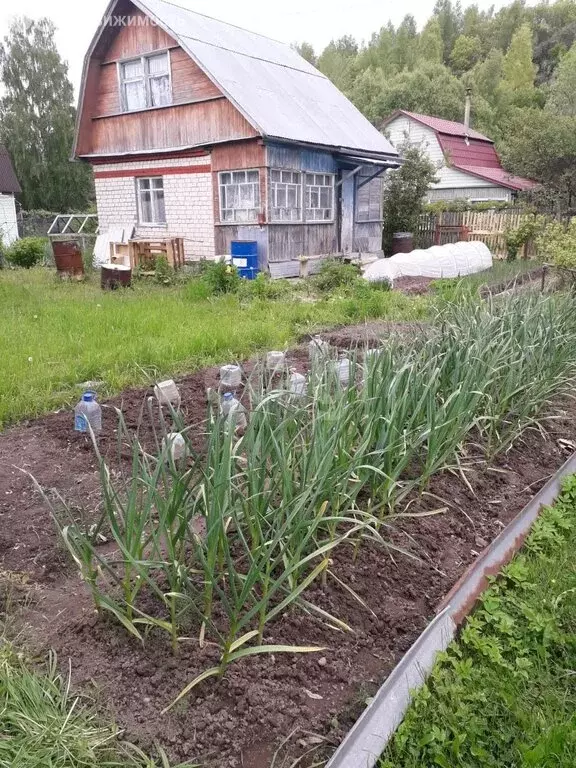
(316,21)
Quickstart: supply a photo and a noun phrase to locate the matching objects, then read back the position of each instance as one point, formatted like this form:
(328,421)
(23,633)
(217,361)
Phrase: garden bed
(312,698)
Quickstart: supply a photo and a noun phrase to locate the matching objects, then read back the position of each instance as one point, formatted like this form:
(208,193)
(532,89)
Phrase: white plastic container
(343,371)
(230,376)
(297,383)
(371,354)
(87,414)
(233,411)
(167,393)
(275,360)
(174,446)
(318,349)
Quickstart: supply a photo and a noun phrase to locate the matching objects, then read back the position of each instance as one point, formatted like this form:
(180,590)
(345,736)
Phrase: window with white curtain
(145,82)
(285,195)
(151,206)
(239,195)
(319,196)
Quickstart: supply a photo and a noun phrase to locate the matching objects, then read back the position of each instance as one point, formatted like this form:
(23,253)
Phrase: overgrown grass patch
(43,724)
(501,272)
(55,335)
(504,695)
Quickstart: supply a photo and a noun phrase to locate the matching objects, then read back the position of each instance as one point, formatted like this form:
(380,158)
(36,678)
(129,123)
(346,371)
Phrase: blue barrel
(245,257)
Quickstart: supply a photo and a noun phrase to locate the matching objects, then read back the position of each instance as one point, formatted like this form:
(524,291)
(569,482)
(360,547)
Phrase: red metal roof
(439,125)
(469,151)
(458,150)
(499,176)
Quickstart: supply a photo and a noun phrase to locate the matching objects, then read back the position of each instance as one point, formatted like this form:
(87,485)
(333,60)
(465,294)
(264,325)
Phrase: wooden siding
(177,126)
(297,159)
(200,114)
(288,241)
(367,237)
(225,235)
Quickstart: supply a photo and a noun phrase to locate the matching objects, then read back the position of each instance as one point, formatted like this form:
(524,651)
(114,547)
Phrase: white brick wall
(188,199)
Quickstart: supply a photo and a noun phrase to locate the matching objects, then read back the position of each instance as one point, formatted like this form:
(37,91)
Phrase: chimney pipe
(467,108)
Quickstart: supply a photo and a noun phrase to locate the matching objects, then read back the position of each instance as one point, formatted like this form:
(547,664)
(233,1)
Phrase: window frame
(271,190)
(221,200)
(146,77)
(332,188)
(141,220)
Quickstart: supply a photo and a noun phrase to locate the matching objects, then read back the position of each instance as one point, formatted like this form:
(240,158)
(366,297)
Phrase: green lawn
(55,335)
(504,695)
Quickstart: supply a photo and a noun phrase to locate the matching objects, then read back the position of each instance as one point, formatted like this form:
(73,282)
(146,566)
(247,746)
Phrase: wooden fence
(488,226)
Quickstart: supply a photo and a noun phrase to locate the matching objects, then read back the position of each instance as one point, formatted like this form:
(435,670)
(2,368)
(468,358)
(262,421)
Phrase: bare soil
(241,720)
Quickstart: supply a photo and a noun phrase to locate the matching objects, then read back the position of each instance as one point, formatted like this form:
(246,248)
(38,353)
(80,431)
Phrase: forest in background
(520,63)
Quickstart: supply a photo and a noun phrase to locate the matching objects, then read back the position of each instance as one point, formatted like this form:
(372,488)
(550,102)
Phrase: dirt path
(240,721)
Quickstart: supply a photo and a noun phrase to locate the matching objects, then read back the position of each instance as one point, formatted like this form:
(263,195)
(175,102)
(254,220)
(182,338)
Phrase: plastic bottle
(230,376)
(343,371)
(167,393)
(175,444)
(318,349)
(233,411)
(87,412)
(275,360)
(297,383)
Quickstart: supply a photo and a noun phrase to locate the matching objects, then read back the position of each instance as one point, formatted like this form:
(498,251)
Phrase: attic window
(145,82)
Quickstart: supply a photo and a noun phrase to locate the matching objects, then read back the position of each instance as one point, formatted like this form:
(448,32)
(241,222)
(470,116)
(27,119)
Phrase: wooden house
(468,165)
(199,129)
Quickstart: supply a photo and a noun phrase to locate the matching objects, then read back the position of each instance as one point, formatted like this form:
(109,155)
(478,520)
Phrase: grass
(42,724)
(504,695)
(502,271)
(56,335)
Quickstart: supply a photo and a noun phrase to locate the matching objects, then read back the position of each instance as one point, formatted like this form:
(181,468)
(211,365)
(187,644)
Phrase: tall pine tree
(37,119)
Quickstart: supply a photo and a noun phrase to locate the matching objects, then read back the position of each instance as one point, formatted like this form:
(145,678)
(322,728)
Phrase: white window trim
(141,222)
(302,193)
(146,78)
(304,197)
(256,208)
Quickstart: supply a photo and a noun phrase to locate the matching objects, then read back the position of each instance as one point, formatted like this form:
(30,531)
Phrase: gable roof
(8,182)
(280,94)
(468,151)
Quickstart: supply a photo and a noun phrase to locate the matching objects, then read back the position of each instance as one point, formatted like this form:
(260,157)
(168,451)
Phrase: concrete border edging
(367,739)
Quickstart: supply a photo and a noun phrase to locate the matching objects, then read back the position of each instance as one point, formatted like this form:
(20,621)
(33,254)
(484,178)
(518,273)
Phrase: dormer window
(145,82)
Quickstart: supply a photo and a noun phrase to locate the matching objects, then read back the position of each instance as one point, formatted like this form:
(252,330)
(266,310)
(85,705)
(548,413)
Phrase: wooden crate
(143,253)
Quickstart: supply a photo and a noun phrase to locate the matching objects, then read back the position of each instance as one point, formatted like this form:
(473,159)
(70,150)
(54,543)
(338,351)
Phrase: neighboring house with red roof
(9,188)
(468,165)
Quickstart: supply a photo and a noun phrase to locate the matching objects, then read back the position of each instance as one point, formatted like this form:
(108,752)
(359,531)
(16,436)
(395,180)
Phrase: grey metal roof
(279,92)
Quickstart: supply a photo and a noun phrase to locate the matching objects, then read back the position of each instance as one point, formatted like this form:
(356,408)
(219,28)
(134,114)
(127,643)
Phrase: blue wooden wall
(299,159)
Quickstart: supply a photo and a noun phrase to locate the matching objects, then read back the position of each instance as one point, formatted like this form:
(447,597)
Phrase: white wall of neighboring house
(188,200)
(452,183)
(8,220)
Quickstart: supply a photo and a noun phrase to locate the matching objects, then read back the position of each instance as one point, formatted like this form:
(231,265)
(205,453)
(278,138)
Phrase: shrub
(263,287)
(526,231)
(26,252)
(163,272)
(557,243)
(220,277)
(333,274)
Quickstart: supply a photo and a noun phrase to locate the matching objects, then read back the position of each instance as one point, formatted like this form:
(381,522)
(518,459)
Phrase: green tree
(406,42)
(466,52)
(562,96)
(366,93)
(450,20)
(404,191)
(430,88)
(430,44)
(517,87)
(37,119)
(486,76)
(306,51)
(337,61)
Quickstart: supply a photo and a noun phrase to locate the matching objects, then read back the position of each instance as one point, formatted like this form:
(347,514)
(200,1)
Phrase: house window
(285,196)
(239,195)
(151,207)
(368,198)
(145,82)
(319,197)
